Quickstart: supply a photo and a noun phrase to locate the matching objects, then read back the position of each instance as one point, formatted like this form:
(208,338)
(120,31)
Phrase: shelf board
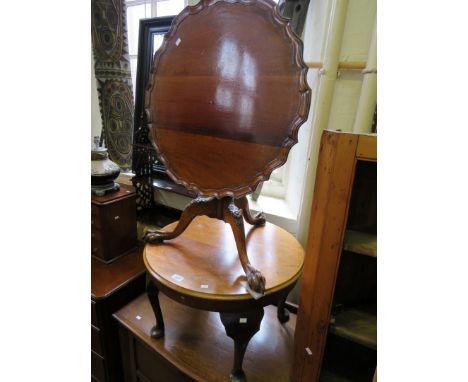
(356,325)
(360,242)
(330,376)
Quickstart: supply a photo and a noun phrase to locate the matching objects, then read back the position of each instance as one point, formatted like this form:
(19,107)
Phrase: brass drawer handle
(116,217)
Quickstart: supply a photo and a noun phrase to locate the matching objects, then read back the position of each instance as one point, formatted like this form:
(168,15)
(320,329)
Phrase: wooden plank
(367,147)
(335,173)
(356,325)
(360,242)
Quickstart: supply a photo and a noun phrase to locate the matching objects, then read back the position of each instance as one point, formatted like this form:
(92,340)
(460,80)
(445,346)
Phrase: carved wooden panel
(227,95)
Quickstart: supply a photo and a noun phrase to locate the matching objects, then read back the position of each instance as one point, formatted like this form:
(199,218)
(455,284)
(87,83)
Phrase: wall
(360,18)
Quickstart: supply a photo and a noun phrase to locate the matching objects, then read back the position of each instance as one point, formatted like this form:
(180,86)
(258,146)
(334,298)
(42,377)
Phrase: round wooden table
(201,268)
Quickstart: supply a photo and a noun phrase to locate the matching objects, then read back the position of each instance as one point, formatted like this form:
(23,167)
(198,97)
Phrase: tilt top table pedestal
(201,269)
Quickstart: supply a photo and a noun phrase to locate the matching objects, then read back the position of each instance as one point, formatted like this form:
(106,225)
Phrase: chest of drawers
(112,286)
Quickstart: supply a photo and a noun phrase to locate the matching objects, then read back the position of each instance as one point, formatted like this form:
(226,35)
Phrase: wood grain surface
(195,342)
(107,278)
(227,94)
(334,179)
(206,258)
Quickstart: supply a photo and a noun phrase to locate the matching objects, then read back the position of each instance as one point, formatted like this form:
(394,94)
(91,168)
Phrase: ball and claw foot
(156,332)
(256,281)
(152,237)
(259,218)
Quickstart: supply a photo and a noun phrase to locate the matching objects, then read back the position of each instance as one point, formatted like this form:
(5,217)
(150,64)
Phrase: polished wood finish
(112,286)
(113,224)
(232,212)
(211,268)
(225,104)
(367,147)
(224,107)
(108,278)
(334,181)
(241,327)
(195,346)
(203,273)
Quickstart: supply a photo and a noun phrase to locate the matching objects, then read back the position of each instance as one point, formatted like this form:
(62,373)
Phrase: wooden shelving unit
(336,332)
(357,325)
(360,242)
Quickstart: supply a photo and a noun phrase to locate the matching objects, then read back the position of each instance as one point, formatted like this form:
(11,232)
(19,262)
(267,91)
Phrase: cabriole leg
(241,327)
(157,331)
(282,313)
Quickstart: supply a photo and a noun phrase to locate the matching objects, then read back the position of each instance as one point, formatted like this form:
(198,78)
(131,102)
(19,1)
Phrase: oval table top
(202,264)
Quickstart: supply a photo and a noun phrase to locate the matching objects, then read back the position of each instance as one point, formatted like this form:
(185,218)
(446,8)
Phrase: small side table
(201,269)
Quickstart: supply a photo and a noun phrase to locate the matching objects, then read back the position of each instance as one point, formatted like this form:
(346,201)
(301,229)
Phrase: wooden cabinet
(336,331)
(113,224)
(112,286)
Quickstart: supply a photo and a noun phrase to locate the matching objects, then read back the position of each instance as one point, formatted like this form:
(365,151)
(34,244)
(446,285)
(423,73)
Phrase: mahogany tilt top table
(226,97)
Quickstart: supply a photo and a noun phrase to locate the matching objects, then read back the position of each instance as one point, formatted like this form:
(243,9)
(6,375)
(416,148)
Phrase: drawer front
(94,320)
(97,367)
(96,340)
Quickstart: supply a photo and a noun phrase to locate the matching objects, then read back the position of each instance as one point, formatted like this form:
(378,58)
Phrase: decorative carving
(257,219)
(114,82)
(222,209)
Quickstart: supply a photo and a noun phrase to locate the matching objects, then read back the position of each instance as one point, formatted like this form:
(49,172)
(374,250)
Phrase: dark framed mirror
(151,33)
(145,163)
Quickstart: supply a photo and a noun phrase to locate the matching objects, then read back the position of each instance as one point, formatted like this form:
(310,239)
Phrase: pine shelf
(360,242)
(357,325)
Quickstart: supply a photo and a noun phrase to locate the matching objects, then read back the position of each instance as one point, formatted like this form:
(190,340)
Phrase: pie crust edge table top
(194,264)
(224,105)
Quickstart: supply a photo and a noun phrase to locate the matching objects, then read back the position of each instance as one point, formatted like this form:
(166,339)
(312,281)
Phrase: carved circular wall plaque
(227,94)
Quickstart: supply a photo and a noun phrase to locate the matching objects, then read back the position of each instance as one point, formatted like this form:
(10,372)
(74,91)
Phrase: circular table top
(227,94)
(203,262)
